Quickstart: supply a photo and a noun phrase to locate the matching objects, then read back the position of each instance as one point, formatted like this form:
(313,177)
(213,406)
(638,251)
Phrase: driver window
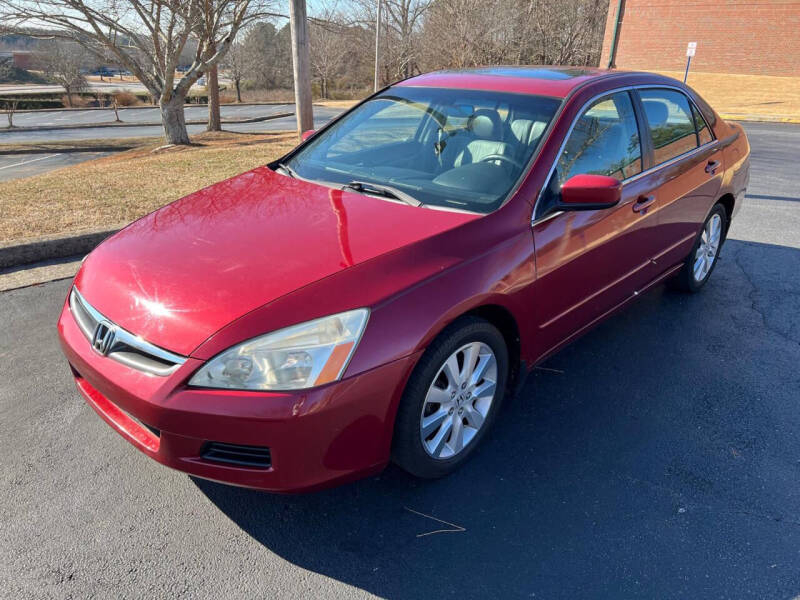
(604,141)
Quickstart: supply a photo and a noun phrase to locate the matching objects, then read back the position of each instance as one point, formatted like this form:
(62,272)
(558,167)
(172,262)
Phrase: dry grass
(336,103)
(272,95)
(340,99)
(743,95)
(125,186)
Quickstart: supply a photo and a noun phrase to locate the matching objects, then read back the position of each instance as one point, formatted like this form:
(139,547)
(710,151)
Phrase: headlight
(297,357)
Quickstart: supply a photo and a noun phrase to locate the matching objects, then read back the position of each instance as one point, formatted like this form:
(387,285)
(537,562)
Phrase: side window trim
(645,141)
(638,109)
(695,115)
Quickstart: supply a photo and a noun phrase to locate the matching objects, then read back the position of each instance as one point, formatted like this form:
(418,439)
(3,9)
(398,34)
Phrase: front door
(588,262)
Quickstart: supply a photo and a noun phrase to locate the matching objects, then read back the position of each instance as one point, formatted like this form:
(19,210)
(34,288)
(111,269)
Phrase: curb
(68,150)
(153,124)
(760,118)
(138,107)
(32,250)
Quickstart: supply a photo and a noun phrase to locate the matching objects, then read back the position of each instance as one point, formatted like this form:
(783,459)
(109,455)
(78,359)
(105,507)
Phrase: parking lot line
(25,162)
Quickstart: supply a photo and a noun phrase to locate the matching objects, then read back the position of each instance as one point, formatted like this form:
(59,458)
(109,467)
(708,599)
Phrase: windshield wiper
(289,170)
(379,189)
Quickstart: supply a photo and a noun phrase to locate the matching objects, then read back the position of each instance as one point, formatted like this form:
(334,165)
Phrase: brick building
(18,58)
(754,37)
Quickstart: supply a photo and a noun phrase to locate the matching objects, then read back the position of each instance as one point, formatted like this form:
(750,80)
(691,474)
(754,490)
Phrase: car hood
(181,273)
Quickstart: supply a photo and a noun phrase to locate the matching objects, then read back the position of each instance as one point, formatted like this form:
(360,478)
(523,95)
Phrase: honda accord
(376,293)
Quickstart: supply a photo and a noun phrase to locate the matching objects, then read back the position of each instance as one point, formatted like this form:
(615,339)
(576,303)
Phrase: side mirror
(307,134)
(590,192)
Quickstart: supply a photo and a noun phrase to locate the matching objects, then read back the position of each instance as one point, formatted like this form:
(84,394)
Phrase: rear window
(671,122)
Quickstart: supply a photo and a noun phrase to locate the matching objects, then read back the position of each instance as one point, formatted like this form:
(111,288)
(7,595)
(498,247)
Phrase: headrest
(484,123)
(656,111)
(526,131)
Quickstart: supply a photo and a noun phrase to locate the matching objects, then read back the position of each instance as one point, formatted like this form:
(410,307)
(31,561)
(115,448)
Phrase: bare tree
(6,68)
(403,18)
(330,45)
(147,37)
(235,66)
(212,75)
(63,64)
(268,55)
(464,33)
(400,37)
(10,107)
(212,89)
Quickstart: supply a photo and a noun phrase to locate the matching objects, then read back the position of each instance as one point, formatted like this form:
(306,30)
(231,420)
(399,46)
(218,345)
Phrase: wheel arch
(728,202)
(506,323)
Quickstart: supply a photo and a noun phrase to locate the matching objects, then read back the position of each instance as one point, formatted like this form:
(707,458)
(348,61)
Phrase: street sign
(691,48)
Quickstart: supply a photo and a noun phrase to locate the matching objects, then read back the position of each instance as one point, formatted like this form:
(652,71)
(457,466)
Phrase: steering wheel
(502,157)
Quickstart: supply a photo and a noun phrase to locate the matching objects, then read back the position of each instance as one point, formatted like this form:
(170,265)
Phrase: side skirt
(592,324)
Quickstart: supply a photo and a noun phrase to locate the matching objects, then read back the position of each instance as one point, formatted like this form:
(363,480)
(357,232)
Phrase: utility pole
(300,63)
(377,46)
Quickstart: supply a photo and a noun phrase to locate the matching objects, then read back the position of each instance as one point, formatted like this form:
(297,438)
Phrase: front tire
(703,258)
(451,399)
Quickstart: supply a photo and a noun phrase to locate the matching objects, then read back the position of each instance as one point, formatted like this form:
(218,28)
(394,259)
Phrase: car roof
(543,81)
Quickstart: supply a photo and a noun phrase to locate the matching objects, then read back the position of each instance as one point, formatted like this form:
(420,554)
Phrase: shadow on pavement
(658,456)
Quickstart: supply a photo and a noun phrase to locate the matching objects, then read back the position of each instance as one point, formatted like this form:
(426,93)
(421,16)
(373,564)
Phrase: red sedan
(376,293)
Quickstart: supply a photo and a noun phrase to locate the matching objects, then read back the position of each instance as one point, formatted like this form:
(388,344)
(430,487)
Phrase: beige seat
(527,132)
(486,130)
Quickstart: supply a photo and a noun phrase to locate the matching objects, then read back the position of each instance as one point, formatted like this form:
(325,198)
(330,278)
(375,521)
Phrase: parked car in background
(376,293)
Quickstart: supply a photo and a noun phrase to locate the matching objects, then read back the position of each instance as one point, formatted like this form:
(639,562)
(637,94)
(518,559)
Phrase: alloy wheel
(709,247)
(458,400)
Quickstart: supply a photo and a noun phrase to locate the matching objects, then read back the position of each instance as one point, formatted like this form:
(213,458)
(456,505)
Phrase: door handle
(642,202)
(712,166)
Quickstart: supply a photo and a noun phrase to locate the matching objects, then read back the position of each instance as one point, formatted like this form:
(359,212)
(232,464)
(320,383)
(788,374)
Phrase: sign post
(691,48)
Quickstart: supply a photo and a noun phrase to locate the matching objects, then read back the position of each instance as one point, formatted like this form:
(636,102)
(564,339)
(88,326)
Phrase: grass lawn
(122,187)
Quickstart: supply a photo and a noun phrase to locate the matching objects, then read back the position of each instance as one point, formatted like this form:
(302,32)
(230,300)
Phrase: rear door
(687,172)
(590,261)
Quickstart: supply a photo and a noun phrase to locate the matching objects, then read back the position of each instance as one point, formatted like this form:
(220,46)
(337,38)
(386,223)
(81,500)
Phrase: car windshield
(462,149)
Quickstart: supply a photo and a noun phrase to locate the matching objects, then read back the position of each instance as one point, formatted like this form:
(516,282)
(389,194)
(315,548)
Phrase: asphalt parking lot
(657,457)
(322,115)
(141,114)
(14,166)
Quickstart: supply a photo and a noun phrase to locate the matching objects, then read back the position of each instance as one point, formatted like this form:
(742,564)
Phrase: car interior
(463,153)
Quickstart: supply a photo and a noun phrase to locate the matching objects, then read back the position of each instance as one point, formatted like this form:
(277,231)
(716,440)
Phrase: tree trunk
(174,121)
(237,82)
(212,80)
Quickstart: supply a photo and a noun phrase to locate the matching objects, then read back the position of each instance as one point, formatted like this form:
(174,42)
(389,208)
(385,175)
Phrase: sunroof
(531,72)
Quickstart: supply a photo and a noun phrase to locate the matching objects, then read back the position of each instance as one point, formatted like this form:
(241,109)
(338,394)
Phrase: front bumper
(316,437)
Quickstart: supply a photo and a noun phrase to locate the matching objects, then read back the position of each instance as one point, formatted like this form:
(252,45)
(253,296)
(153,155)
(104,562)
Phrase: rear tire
(451,399)
(700,263)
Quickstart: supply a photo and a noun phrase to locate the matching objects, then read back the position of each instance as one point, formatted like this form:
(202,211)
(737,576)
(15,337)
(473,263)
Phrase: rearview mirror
(590,192)
(307,134)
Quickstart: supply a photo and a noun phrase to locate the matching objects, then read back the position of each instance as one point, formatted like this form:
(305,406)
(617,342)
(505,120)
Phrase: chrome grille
(122,346)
